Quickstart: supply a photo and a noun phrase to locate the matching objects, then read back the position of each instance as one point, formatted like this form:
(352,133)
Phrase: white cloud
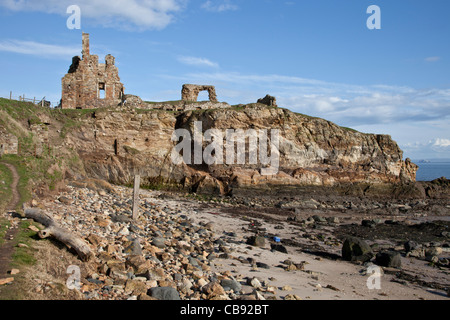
(144,14)
(441,143)
(39,49)
(432,59)
(219,6)
(194,61)
(413,117)
(434,148)
(407,114)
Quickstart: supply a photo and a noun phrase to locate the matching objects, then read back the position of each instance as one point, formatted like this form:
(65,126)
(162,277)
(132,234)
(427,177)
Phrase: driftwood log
(63,235)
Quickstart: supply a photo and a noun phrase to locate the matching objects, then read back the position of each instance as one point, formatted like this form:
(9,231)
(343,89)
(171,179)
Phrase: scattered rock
(369,223)
(390,259)
(262,265)
(164,293)
(6,281)
(213,289)
(231,284)
(167,255)
(33,228)
(278,247)
(332,288)
(65,200)
(159,242)
(410,246)
(292,297)
(14,271)
(257,241)
(134,248)
(356,250)
(254,282)
(333,220)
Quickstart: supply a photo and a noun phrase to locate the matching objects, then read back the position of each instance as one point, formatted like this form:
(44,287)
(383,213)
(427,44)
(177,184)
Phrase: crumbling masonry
(9,144)
(90,84)
(190,92)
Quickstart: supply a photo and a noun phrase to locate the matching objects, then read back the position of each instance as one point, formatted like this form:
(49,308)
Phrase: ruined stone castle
(90,85)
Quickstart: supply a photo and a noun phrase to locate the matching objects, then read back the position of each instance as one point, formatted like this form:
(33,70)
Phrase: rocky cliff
(117,144)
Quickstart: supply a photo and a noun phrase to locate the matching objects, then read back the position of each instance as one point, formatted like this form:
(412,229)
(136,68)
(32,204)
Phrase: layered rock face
(116,145)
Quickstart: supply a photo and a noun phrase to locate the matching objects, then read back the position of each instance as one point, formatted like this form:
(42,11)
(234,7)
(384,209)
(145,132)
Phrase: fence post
(10,95)
(34,100)
(137,183)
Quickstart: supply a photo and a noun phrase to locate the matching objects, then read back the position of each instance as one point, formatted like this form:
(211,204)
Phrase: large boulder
(356,250)
(389,258)
(278,247)
(164,293)
(257,241)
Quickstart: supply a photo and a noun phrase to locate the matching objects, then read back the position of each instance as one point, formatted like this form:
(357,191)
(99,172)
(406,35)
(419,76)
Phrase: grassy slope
(46,167)
(16,117)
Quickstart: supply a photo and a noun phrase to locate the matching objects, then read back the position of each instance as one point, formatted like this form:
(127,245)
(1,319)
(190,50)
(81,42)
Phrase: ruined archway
(190,92)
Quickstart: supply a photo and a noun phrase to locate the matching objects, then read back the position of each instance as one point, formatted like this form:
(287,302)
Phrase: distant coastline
(430,169)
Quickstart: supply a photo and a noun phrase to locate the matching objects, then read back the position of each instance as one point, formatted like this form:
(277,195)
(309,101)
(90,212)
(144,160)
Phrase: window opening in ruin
(101,90)
(203,96)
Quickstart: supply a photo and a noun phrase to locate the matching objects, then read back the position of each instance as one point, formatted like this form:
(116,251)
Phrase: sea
(432,169)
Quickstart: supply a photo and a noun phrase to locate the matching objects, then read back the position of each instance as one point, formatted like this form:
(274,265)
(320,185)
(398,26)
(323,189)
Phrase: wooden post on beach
(137,184)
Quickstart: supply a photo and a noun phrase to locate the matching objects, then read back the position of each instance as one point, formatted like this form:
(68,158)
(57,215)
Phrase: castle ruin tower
(89,84)
(85,44)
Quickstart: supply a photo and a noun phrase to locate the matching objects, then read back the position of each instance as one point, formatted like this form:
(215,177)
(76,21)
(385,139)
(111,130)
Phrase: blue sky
(316,57)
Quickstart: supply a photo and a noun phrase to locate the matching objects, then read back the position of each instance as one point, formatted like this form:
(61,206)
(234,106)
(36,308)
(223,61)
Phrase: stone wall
(186,106)
(9,144)
(133,101)
(90,84)
(190,92)
(269,101)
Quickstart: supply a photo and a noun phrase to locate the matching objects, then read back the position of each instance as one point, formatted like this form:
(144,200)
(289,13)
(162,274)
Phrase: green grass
(25,175)
(23,110)
(5,182)
(71,118)
(34,167)
(131,150)
(24,256)
(349,129)
(4,226)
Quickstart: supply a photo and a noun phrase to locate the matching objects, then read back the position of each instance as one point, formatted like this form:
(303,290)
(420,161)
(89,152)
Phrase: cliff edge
(115,144)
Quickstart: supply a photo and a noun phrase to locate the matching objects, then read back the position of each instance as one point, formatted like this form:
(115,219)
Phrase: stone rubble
(178,249)
(164,254)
